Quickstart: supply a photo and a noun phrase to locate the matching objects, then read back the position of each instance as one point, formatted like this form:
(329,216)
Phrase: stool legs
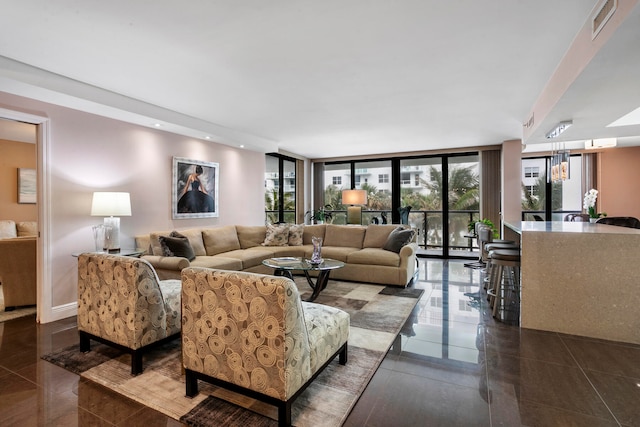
(503,291)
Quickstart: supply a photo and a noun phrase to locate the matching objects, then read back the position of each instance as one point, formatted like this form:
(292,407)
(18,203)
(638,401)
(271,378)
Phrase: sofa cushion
(249,257)
(250,236)
(154,241)
(195,239)
(27,228)
(8,229)
(335,252)
(344,235)
(313,231)
(220,239)
(217,261)
(374,256)
(276,235)
(177,245)
(397,239)
(296,233)
(376,235)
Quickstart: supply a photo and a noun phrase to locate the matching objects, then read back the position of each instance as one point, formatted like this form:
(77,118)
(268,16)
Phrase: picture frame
(27,186)
(195,189)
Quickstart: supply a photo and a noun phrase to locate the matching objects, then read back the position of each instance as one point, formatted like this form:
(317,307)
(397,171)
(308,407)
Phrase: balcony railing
(428,225)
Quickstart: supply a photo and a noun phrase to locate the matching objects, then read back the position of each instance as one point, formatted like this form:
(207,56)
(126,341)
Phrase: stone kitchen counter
(580,278)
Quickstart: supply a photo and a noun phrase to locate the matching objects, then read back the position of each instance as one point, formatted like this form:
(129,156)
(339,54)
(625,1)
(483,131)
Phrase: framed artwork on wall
(27,185)
(194,189)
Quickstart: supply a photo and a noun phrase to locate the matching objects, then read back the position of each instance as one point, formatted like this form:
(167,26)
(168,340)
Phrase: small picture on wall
(26,185)
(195,189)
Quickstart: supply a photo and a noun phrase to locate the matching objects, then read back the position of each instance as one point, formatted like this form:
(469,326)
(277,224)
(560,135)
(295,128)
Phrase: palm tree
(538,201)
(376,200)
(333,197)
(272,204)
(463,193)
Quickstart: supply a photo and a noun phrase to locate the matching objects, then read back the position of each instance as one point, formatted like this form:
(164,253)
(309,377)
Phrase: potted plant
(589,203)
(321,215)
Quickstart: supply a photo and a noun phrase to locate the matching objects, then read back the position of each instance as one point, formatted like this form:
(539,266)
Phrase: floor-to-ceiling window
(280,189)
(543,199)
(375,178)
(463,195)
(421,188)
(442,190)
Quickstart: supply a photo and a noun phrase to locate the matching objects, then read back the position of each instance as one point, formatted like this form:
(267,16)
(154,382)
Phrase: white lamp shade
(109,203)
(354,197)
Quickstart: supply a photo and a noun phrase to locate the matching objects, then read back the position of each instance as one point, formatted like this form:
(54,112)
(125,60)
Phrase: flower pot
(593,220)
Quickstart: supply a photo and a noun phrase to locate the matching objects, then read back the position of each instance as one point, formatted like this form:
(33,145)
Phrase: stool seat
(502,241)
(491,246)
(512,255)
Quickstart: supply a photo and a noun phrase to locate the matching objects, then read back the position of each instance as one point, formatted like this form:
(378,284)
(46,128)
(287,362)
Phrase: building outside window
(532,172)
(280,189)
(337,180)
(383,178)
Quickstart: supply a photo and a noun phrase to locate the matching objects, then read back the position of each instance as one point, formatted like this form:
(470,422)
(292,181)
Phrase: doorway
(43,277)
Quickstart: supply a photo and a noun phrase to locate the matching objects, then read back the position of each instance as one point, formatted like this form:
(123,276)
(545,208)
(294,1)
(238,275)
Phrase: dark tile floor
(453,365)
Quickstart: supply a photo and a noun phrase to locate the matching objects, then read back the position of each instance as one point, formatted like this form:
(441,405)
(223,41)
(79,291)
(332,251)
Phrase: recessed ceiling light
(157,125)
(242,146)
(207,137)
(633,118)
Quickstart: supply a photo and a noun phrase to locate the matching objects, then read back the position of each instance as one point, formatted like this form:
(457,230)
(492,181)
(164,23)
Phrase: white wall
(89,153)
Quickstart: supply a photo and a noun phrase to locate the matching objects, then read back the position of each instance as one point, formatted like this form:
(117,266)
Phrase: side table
(123,252)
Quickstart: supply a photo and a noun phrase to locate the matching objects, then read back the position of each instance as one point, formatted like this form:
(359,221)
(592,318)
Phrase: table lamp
(352,198)
(111,205)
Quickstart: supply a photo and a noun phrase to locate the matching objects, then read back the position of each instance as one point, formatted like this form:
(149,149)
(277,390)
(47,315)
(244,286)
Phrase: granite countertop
(567,227)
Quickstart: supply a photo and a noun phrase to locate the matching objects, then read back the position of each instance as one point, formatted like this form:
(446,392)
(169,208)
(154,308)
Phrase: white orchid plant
(589,204)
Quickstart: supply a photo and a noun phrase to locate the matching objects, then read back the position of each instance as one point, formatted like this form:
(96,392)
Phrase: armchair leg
(136,362)
(191,382)
(85,343)
(284,414)
(342,357)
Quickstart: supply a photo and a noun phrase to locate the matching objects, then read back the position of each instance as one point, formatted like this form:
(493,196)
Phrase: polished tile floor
(453,365)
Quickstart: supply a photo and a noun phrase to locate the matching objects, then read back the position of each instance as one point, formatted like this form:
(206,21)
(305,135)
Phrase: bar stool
(504,285)
(504,244)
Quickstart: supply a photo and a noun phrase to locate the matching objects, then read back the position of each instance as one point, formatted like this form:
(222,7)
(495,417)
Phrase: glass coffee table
(284,266)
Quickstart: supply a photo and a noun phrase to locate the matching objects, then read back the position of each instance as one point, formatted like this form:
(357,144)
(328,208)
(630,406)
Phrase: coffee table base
(318,286)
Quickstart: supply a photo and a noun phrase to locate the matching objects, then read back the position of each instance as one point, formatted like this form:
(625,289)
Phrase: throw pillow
(397,239)
(277,235)
(177,245)
(295,234)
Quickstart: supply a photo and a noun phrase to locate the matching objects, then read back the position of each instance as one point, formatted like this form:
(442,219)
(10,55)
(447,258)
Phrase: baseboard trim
(59,312)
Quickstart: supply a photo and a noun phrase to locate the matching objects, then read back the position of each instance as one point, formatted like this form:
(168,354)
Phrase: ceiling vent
(601,16)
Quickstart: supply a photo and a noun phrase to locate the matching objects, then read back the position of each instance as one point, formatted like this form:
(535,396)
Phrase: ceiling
(319,78)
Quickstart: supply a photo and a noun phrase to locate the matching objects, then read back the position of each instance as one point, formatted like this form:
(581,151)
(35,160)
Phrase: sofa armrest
(167,262)
(408,251)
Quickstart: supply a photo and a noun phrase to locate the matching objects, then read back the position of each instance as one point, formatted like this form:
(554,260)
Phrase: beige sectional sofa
(242,248)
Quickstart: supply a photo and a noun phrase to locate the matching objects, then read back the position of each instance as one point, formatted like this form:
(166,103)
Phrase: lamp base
(354,215)
(112,234)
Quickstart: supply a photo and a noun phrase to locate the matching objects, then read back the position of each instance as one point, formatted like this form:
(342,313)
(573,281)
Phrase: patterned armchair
(122,303)
(251,333)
